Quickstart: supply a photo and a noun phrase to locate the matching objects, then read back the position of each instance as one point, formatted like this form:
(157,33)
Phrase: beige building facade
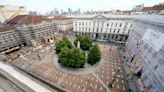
(8,12)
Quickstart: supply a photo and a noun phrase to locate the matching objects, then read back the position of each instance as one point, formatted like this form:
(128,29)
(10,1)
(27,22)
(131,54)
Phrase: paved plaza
(99,79)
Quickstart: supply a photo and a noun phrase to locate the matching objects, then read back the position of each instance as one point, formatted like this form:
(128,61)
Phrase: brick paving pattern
(46,69)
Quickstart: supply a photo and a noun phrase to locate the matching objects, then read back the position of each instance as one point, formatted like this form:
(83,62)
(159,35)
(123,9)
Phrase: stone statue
(78,44)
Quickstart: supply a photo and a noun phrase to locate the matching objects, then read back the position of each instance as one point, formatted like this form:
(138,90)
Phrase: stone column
(94,35)
(102,36)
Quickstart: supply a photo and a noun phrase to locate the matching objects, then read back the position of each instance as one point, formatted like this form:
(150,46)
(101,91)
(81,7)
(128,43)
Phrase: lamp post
(111,45)
(110,85)
(110,48)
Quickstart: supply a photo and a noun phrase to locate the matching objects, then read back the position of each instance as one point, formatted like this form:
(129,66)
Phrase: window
(149,50)
(75,23)
(118,30)
(155,67)
(116,25)
(160,61)
(128,31)
(154,55)
(131,25)
(149,62)
(111,24)
(145,47)
(110,30)
(149,87)
(114,30)
(79,23)
(126,25)
(107,24)
(120,24)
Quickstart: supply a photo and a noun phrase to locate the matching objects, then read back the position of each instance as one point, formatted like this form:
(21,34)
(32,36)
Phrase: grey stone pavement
(131,79)
(77,71)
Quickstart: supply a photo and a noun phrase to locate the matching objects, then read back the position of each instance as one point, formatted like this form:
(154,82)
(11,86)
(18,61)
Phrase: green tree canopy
(63,43)
(68,42)
(94,55)
(73,58)
(78,38)
(85,42)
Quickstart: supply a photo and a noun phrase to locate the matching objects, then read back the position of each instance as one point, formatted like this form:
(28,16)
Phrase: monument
(78,45)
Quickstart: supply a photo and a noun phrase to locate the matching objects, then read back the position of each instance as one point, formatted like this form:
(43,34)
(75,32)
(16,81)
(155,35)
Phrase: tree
(78,38)
(63,43)
(78,57)
(60,44)
(86,43)
(94,55)
(73,58)
(64,55)
(68,42)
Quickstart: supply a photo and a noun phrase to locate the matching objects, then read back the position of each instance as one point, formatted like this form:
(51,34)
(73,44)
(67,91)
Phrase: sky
(43,6)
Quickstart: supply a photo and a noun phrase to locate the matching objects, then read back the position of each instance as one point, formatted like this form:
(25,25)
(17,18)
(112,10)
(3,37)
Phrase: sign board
(154,38)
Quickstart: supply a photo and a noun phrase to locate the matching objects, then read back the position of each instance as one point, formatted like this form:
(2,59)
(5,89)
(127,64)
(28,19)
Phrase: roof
(102,16)
(26,19)
(60,18)
(7,28)
(154,8)
(157,19)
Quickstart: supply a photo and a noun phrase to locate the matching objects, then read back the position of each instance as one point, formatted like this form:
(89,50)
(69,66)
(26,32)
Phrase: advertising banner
(154,38)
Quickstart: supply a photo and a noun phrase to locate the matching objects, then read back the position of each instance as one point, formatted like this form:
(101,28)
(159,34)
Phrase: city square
(97,80)
(76,47)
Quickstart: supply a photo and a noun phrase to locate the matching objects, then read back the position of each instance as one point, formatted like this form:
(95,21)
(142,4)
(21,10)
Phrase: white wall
(104,26)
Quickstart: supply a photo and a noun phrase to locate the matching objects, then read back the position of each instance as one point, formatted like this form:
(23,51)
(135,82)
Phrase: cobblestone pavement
(97,80)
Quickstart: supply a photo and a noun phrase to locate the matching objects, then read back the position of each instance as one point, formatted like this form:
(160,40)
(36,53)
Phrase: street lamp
(110,48)
(110,85)
(111,45)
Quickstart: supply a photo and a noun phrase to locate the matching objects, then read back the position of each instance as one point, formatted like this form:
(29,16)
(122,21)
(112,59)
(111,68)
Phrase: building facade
(138,8)
(32,27)
(9,39)
(146,48)
(25,30)
(64,24)
(7,12)
(114,28)
(36,32)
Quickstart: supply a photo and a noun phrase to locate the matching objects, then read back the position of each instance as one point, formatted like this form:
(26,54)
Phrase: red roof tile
(154,8)
(60,18)
(25,19)
(7,28)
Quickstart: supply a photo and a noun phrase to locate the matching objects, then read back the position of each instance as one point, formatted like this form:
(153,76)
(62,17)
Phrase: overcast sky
(43,6)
